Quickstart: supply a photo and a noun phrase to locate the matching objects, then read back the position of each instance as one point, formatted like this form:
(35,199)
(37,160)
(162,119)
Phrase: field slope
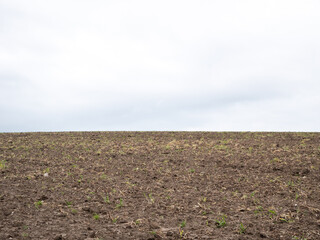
(160,185)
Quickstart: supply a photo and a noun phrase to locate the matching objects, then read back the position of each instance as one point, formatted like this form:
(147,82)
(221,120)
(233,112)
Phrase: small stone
(61,215)
(169,233)
(58,237)
(7,212)
(263,235)
(87,209)
(46,174)
(43,197)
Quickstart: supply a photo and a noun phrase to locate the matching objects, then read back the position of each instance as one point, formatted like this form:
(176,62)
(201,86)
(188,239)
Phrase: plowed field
(159,185)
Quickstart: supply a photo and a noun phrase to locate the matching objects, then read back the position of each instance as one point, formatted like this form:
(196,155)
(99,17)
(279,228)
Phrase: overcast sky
(224,65)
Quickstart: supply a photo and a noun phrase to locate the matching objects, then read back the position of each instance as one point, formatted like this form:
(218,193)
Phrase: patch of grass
(242,228)
(96,216)
(183,224)
(221,222)
(38,204)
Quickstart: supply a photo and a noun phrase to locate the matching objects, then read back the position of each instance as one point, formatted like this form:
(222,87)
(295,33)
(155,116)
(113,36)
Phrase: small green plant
(149,197)
(68,203)
(299,238)
(283,219)
(114,220)
(221,222)
(103,176)
(258,210)
(96,216)
(272,213)
(120,204)
(3,164)
(80,179)
(130,184)
(192,170)
(181,232)
(38,204)
(106,199)
(241,179)
(74,211)
(242,228)
(275,160)
(183,224)
(290,184)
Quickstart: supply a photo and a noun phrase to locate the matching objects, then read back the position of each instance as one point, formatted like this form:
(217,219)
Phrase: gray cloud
(145,65)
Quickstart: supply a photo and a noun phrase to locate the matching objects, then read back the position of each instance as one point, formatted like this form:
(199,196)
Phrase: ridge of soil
(160,185)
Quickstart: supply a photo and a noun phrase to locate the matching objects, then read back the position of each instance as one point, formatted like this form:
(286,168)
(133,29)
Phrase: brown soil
(159,185)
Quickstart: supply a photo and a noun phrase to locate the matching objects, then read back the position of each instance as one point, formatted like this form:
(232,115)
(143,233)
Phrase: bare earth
(159,185)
